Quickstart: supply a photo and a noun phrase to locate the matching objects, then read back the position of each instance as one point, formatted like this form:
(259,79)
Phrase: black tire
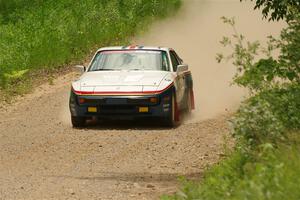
(78,122)
(172,120)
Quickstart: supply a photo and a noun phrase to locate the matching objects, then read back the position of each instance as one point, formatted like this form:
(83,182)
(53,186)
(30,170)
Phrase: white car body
(133,84)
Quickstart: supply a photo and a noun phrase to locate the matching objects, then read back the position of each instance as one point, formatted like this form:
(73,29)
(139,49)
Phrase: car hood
(132,78)
(121,80)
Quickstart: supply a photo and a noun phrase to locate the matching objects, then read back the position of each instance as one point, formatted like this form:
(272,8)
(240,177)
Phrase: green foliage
(270,173)
(278,9)
(16,74)
(285,104)
(269,71)
(8,8)
(255,123)
(45,34)
(265,117)
(274,82)
(216,183)
(289,44)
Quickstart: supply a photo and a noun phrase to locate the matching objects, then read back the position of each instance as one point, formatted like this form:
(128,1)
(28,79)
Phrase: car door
(180,84)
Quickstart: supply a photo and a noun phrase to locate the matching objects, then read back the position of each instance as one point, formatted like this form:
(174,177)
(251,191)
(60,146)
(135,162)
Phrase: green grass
(267,173)
(47,34)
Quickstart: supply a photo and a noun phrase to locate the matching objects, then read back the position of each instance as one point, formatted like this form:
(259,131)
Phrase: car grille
(118,101)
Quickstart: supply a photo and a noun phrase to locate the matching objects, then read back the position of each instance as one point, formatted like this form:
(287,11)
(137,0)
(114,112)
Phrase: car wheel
(173,118)
(78,122)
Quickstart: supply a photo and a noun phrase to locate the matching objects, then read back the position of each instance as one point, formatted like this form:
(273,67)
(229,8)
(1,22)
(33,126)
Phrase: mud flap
(192,99)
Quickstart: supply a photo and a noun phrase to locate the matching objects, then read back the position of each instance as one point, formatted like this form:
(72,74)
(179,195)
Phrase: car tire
(173,119)
(78,122)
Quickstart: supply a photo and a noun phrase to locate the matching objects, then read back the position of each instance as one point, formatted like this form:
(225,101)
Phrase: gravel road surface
(43,157)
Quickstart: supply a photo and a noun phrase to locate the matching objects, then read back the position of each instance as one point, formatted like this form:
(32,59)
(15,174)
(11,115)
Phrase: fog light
(92,109)
(143,109)
(153,100)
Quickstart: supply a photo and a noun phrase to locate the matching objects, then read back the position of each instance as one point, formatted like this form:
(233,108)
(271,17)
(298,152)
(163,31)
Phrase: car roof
(133,47)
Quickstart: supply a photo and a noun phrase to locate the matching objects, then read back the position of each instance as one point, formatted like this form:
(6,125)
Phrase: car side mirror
(182,68)
(80,68)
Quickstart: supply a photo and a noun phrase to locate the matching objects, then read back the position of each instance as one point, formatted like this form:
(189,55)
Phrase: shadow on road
(140,124)
(126,125)
(136,177)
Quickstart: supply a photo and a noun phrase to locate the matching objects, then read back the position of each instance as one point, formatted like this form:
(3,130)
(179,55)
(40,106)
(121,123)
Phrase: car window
(165,61)
(131,60)
(178,58)
(174,60)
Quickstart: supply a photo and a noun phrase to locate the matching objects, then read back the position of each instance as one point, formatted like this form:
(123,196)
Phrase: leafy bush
(255,123)
(285,104)
(46,34)
(266,116)
(269,71)
(271,174)
(277,9)
(274,82)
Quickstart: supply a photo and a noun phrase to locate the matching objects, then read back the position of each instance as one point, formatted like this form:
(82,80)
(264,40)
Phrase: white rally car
(133,82)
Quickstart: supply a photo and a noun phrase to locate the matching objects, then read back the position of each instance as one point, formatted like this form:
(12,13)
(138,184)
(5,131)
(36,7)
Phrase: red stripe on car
(121,93)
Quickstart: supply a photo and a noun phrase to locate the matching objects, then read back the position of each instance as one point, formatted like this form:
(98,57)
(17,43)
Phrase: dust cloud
(195,33)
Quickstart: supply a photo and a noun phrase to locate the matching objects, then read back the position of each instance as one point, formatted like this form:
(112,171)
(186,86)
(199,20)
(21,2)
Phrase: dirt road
(42,157)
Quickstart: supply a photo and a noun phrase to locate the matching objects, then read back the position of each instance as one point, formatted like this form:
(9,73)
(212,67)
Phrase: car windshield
(130,60)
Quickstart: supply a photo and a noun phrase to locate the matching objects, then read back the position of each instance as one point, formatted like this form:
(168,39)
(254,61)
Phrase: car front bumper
(121,107)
